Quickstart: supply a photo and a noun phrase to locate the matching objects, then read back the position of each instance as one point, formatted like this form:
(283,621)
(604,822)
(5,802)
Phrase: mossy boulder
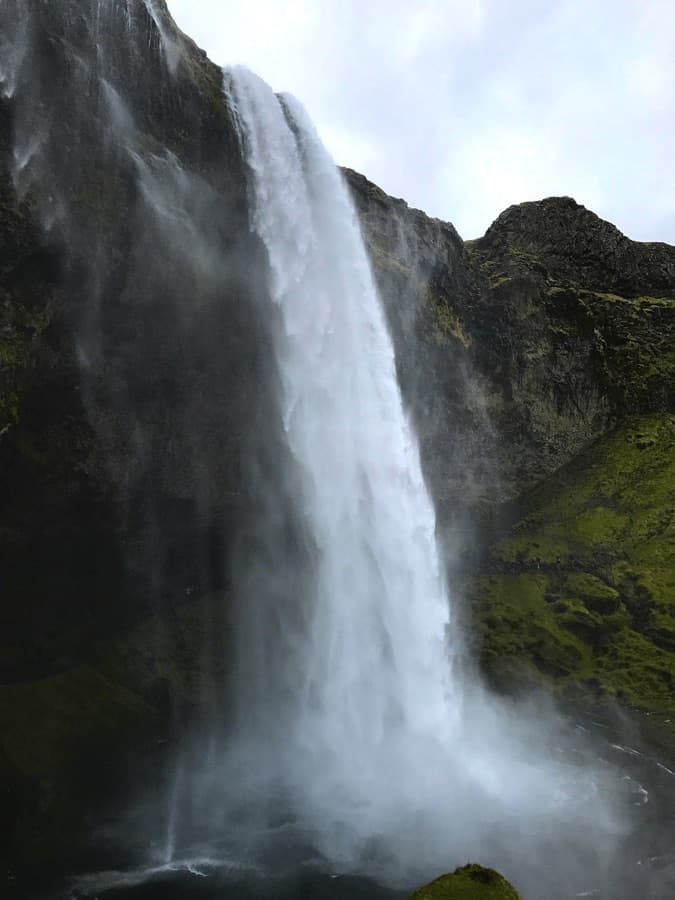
(470,882)
(595,594)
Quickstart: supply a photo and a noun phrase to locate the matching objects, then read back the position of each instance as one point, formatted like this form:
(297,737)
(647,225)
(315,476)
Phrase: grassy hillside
(582,589)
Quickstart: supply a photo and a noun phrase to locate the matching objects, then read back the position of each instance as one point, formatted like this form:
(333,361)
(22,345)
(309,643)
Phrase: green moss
(45,724)
(484,263)
(9,353)
(599,525)
(633,301)
(9,409)
(522,547)
(54,729)
(446,323)
(20,326)
(595,594)
(206,78)
(77,721)
(494,281)
(583,585)
(522,256)
(471,882)
(634,336)
(521,629)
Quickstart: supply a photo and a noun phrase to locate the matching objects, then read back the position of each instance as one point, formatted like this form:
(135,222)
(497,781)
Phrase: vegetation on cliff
(582,587)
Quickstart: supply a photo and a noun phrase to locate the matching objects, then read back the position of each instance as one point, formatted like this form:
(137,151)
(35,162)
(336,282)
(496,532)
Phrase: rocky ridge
(529,347)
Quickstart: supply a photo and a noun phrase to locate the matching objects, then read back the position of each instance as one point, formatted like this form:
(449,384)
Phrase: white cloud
(466,106)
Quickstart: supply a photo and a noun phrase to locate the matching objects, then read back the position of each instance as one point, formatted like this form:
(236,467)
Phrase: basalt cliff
(537,363)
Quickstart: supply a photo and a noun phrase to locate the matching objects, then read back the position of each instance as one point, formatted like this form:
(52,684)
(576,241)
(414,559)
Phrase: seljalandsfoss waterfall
(355,732)
(325,729)
(361,666)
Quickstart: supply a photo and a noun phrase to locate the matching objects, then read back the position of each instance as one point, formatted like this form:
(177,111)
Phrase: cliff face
(547,346)
(581,588)
(430,291)
(127,356)
(133,374)
(531,341)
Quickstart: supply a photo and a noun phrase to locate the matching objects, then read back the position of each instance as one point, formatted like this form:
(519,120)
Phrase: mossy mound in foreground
(471,882)
(582,589)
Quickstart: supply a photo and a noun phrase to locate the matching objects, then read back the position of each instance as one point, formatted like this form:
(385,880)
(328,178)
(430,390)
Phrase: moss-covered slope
(582,588)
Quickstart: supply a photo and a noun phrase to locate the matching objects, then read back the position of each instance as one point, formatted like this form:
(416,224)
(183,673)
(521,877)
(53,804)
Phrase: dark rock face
(430,290)
(573,245)
(518,349)
(131,337)
(133,378)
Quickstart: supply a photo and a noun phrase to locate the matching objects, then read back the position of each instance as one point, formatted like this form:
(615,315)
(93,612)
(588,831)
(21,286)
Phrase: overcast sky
(463,107)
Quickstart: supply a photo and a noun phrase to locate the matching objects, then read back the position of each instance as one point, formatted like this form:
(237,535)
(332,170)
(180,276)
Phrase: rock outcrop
(470,882)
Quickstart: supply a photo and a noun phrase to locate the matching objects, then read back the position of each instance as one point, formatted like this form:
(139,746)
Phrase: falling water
(373,743)
(373,659)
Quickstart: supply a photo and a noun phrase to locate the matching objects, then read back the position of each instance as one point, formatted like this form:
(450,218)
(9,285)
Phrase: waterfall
(366,675)
(371,658)
(352,713)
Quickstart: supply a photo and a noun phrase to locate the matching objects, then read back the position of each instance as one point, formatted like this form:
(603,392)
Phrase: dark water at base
(643,869)
(211,880)
(215,885)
